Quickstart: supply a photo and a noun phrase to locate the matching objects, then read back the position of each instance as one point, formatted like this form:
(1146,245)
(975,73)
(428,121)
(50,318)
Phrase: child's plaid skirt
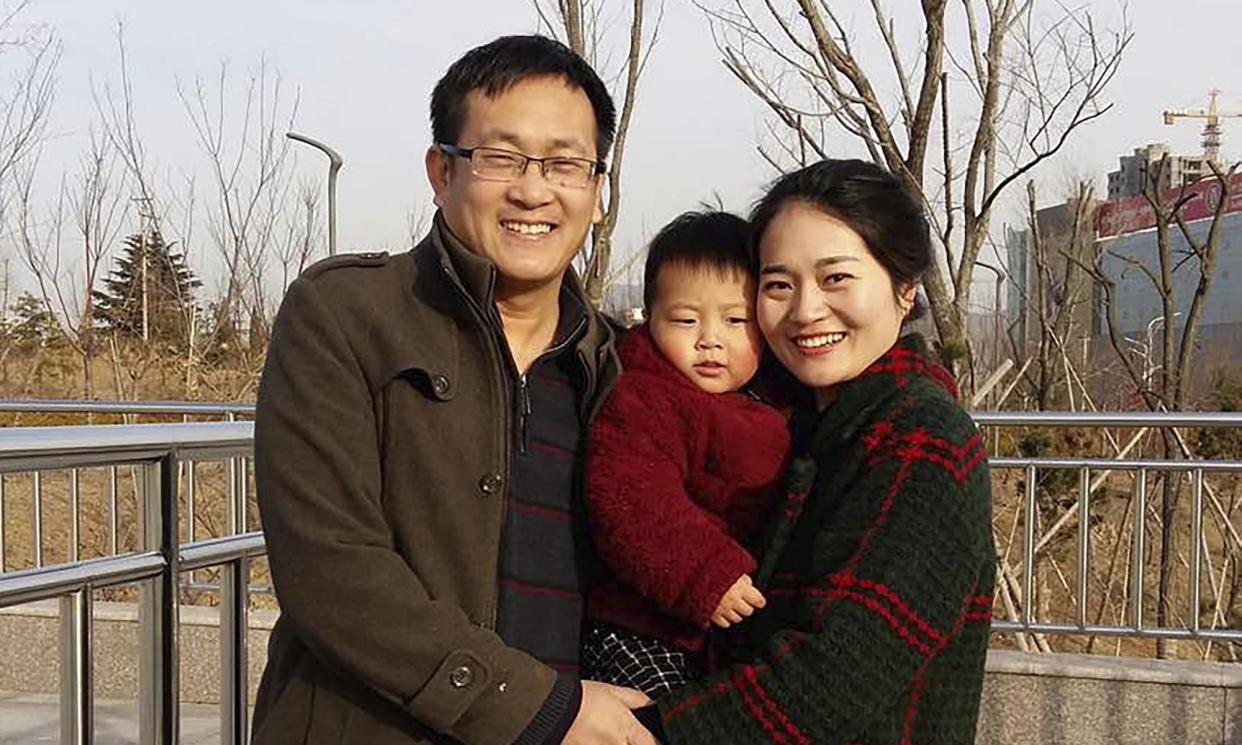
(621,657)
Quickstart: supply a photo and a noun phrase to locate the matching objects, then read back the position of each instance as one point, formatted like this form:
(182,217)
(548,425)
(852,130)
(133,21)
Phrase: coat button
(490,484)
(441,384)
(461,677)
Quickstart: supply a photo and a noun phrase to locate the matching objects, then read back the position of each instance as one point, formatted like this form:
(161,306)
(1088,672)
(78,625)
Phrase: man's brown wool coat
(381,455)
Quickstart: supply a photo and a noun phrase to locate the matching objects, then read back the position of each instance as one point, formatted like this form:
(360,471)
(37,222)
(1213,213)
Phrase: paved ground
(28,719)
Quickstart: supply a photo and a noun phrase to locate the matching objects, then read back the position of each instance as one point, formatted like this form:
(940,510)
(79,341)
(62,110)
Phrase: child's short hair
(709,240)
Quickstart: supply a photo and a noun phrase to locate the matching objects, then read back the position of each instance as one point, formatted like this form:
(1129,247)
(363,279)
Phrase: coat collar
(447,279)
(904,363)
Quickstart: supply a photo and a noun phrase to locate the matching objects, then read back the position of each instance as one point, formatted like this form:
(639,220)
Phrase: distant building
(1064,282)
(1126,233)
(1130,178)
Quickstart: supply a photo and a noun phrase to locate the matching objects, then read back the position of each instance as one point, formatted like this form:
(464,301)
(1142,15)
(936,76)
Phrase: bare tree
(1056,293)
(1166,386)
(301,236)
(94,200)
(25,106)
(250,164)
(164,209)
(584,27)
(1024,76)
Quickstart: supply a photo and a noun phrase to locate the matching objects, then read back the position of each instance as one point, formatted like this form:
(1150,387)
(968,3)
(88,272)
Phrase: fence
(237,498)
(156,450)
(1016,586)
(166,456)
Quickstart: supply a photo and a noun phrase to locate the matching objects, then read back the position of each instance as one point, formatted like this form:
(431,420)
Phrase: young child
(682,463)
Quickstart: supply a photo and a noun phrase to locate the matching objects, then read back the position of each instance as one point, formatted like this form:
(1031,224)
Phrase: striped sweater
(879,577)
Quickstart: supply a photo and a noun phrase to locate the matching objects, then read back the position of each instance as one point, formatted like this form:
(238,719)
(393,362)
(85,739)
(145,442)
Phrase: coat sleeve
(343,588)
(648,529)
(905,583)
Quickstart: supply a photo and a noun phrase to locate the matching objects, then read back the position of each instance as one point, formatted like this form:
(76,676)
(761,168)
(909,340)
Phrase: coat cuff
(556,716)
(649,717)
(712,580)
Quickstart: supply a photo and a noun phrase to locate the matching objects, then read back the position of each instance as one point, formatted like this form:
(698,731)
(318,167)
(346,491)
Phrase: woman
(879,570)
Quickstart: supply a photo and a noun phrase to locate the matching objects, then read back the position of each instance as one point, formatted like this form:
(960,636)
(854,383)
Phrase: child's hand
(740,601)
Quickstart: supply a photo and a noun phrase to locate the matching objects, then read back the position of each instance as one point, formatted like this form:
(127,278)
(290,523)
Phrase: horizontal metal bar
(990,418)
(87,445)
(50,582)
(1231,635)
(70,406)
(1117,465)
(215,587)
(220,550)
(1108,418)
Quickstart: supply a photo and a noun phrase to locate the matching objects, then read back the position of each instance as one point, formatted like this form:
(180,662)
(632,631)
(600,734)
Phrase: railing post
(76,683)
(113,512)
(1028,548)
(1196,549)
(190,489)
(235,466)
(36,501)
(158,689)
(1084,542)
(234,678)
(74,517)
(2,523)
(1140,523)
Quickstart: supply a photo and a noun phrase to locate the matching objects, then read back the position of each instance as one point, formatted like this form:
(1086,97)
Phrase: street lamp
(334,165)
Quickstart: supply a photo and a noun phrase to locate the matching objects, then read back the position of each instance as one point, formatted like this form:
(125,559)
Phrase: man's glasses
(495,164)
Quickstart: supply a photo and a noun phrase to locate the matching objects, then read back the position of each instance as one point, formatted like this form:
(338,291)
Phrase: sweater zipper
(524,412)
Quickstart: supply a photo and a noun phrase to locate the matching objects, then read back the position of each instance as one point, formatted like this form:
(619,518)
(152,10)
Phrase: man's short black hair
(712,240)
(499,65)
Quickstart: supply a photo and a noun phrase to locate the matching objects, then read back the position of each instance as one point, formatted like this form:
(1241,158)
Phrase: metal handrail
(80,446)
(1086,467)
(1108,418)
(155,449)
(75,406)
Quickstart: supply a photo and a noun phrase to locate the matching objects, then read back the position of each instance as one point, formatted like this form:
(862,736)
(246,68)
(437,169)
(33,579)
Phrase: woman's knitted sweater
(879,579)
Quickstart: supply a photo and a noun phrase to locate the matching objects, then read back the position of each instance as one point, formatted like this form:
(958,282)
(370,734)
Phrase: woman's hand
(738,603)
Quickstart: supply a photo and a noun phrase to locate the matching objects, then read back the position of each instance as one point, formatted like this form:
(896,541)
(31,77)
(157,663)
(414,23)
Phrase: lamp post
(334,165)
(1151,330)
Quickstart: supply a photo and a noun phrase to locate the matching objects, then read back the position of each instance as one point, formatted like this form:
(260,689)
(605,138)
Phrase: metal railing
(159,450)
(131,411)
(1016,584)
(156,450)
(78,406)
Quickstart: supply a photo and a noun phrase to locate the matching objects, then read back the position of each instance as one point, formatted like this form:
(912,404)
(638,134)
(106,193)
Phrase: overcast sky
(364,70)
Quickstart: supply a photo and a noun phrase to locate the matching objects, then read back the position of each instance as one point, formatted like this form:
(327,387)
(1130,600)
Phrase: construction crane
(1211,130)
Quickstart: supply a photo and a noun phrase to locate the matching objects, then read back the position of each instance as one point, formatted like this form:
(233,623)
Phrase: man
(418,435)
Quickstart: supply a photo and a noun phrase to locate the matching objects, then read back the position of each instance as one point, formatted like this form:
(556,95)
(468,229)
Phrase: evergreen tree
(31,324)
(169,288)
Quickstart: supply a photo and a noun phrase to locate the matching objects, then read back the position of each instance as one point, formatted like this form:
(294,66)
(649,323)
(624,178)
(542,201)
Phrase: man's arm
(347,594)
(871,625)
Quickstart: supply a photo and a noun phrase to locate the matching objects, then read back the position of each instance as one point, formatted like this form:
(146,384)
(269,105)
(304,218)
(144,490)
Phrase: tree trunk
(1168,533)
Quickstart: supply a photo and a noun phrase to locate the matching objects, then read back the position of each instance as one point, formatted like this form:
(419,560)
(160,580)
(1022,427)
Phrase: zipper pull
(524,403)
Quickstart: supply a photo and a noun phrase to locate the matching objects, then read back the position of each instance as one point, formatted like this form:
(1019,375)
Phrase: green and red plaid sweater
(879,576)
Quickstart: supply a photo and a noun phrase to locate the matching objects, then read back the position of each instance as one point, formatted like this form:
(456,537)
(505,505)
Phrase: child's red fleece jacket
(679,481)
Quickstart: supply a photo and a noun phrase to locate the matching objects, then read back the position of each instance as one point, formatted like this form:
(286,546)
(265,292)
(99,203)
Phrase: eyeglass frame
(599,167)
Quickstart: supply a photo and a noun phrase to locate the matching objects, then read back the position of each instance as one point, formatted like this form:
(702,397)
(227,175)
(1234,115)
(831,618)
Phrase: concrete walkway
(27,719)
